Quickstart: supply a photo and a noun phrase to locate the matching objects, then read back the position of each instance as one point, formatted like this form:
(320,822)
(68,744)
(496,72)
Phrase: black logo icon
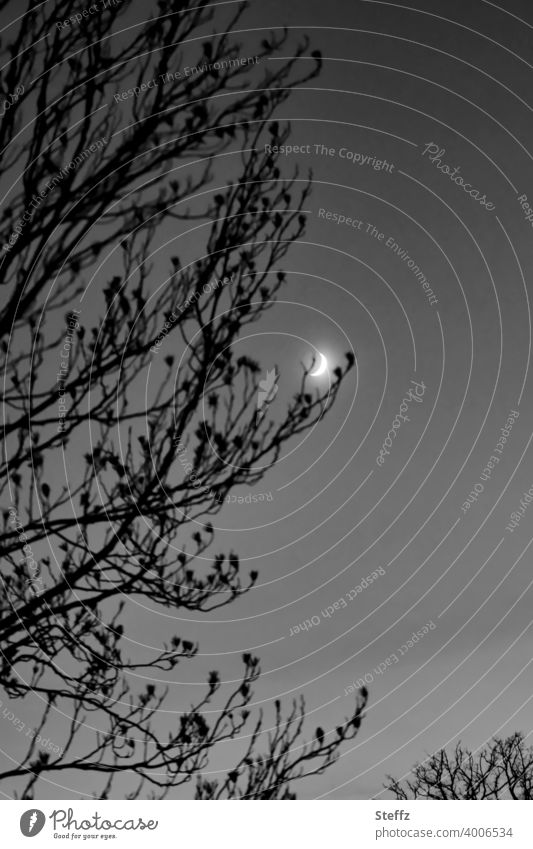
(32,822)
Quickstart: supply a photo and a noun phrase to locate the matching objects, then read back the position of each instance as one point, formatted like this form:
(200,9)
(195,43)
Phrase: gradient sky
(396,78)
(389,89)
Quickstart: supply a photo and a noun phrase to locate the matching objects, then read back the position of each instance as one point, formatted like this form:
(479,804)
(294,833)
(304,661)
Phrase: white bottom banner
(358,823)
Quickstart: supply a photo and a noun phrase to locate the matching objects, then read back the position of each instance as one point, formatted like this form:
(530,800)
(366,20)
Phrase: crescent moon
(321,368)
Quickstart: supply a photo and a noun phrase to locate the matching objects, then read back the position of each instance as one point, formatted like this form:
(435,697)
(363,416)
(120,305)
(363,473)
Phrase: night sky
(442,388)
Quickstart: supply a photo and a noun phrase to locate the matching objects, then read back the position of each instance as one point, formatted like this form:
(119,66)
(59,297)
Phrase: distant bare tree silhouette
(501,770)
(123,527)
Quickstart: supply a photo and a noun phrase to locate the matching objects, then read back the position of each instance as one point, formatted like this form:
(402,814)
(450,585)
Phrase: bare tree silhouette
(90,175)
(501,770)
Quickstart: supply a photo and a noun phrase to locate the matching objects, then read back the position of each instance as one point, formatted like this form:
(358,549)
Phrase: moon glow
(321,368)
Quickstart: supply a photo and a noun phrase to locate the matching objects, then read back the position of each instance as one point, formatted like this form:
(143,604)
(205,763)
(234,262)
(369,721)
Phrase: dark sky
(397,77)
(394,81)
